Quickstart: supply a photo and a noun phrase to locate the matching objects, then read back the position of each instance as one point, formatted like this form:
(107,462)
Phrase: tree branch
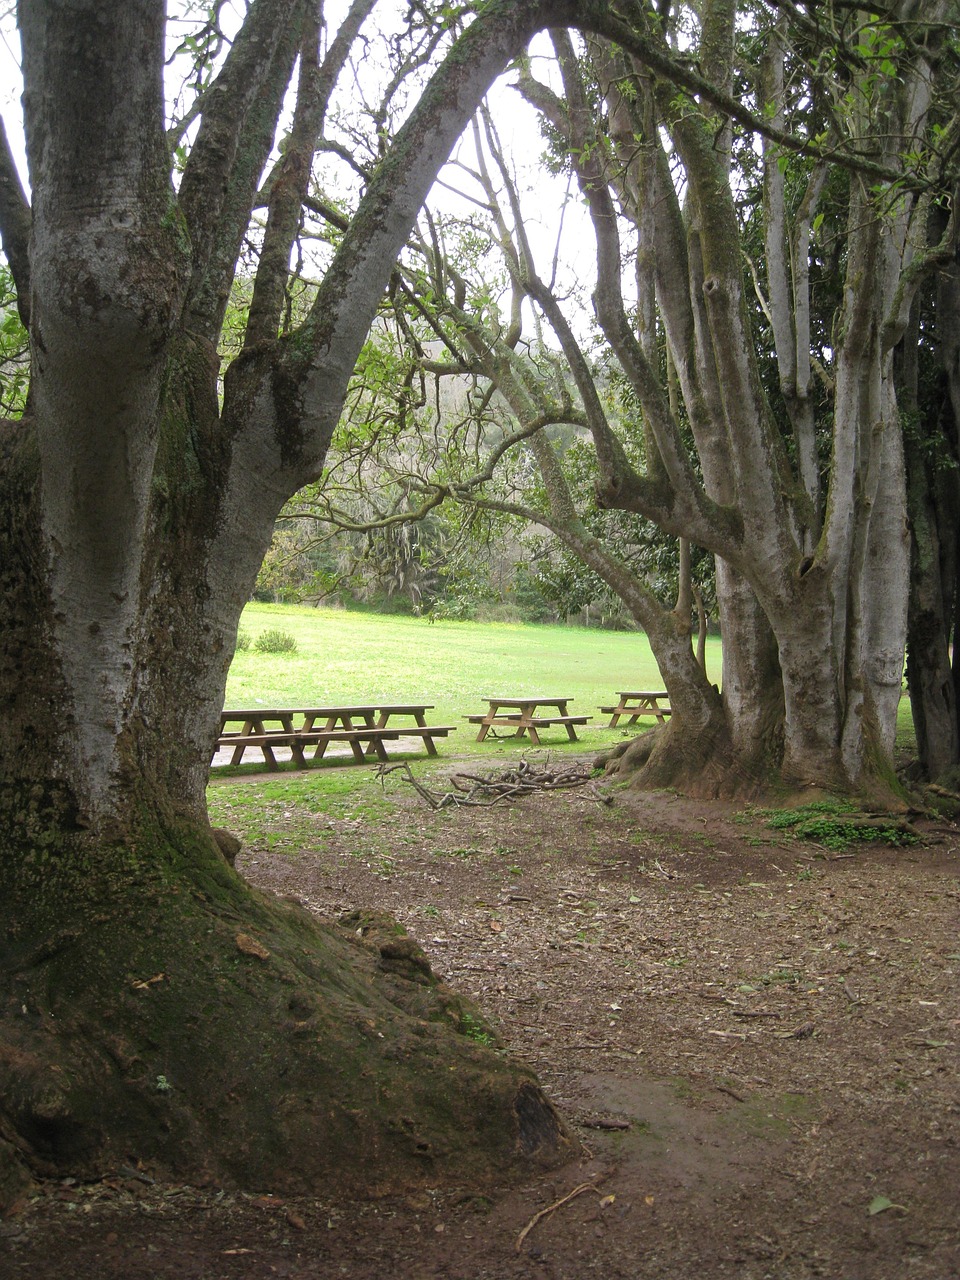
(237,131)
(15,226)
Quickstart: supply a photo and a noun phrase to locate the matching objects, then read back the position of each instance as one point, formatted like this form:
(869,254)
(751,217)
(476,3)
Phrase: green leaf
(880,1204)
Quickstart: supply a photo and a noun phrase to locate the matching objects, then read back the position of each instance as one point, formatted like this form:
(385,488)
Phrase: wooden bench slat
(280,739)
(365,740)
(635,711)
(544,722)
(344,735)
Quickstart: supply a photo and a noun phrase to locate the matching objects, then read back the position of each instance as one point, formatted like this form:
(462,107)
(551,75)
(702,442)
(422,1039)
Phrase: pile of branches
(483,791)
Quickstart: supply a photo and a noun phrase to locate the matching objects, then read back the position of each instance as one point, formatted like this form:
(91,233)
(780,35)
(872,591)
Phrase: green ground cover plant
(836,824)
(275,640)
(290,808)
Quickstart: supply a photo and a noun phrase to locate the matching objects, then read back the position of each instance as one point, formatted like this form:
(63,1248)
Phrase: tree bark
(154,1006)
(931,439)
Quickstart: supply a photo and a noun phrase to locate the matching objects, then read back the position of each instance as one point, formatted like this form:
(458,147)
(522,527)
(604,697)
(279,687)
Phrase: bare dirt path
(755,1040)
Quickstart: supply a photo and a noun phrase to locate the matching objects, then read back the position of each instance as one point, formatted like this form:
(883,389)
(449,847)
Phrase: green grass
(352,657)
(347,657)
(289,810)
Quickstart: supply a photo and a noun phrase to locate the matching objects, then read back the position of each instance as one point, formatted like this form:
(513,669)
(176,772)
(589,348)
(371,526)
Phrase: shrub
(243,641)
(275,641)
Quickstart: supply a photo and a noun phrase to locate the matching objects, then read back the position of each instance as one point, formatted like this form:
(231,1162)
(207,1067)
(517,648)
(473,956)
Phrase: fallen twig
(732,1093)
(482,791)
(435,802)
(551,1208)
(604,1122)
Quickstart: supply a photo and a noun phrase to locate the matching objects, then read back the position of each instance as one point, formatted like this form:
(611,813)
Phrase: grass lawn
(352,657)
(349,657)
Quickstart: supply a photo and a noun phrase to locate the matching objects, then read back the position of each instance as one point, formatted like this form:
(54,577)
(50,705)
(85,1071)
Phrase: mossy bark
(158,1010)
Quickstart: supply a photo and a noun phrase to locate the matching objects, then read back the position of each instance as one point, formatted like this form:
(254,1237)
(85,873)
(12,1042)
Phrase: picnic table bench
(521,716)
(635,705)
(364,728)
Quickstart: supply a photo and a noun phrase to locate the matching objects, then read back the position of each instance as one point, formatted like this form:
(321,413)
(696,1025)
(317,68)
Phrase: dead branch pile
(486,790)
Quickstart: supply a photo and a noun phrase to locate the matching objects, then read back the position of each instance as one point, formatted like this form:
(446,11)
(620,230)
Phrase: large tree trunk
(931,442)
(154,1006)
(751,682)
(827,562)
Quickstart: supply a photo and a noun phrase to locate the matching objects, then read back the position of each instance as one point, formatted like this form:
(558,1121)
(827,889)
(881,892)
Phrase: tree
(154,1006)
(828,565)
(776,175)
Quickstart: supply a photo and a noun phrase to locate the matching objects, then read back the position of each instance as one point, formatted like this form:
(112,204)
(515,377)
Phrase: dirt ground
(754,1039)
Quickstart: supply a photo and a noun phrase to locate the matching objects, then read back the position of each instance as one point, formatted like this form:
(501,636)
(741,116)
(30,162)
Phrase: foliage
(275,641)
(836,824)
(14,350)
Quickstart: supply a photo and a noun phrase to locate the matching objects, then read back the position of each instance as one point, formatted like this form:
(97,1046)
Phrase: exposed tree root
(200,1030)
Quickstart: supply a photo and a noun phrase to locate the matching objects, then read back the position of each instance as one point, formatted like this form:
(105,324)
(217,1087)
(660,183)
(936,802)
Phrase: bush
(243,641)
(453,609)
(275,641)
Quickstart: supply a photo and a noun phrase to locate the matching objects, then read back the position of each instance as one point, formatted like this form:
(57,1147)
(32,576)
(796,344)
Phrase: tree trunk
(932,450)
(155,1007)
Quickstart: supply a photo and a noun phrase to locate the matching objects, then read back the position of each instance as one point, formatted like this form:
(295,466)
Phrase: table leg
(321,747)
(296,750)
(571,732)
(380,723)
(428,742)
(238,751)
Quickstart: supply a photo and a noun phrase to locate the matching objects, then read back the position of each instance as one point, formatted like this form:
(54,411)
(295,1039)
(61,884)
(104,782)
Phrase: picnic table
(633,704)
(522,715)
(364,728)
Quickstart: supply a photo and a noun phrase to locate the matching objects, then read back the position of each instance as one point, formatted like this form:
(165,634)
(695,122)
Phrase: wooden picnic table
(365,728)
(645,703)
(521,714)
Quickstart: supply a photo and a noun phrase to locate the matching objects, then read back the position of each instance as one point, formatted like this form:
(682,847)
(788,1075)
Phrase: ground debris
(552,1208)
(604,979)
(484,790)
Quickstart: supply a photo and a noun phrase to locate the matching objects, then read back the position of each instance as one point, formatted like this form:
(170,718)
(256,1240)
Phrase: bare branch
(15,226)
